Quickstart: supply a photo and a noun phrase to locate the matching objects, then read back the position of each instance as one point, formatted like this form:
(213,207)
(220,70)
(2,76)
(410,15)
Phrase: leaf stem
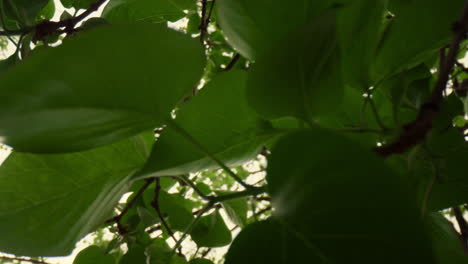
(194,187)
(192,224)
(200,147)
(118,218)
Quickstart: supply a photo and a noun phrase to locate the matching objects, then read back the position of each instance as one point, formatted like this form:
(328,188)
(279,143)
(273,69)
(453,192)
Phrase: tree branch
(415,132)
(46,27)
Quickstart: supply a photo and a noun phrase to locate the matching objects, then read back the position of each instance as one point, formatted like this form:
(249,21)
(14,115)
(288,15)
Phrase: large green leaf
(50,201)
(211,231)
(92,255)
(303,82)
(219,119)
(124,11)
(79,4)
(419,29)
(360,24)
(252,27)
(103,85)
(23,11)
(342,199)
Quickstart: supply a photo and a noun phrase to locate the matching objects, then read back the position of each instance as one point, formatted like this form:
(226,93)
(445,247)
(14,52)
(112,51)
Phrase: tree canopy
(237,131)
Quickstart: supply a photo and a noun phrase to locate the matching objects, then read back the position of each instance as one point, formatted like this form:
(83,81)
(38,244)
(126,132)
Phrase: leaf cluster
(235,131)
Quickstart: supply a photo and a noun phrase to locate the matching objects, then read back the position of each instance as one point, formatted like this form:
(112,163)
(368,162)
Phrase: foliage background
(418,130)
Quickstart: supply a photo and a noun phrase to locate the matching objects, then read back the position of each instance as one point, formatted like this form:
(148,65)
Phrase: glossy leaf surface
(218,119)
(335,177)
(62,100)
(305,82)
(50,201)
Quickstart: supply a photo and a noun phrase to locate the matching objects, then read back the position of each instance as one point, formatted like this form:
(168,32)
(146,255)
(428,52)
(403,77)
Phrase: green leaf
(79,4)
(47,12)
(447,246)
(8,63)
(236,209)
(92,255)
(127,11)
(219,119)
(158,252)
(253,27)
(420,28)
(177,209)
(24,11)
(97,88)
(211,231)
(268,242)
(135,255)
(360,26)
(304,82)
(449,188)
(328,177)
(50,201)
(201,261)
(459,121)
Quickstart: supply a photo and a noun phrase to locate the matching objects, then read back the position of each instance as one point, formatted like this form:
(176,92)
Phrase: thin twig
(203,26)
(192,224)
(117,219)
(205,19)
(154,229)
(155,204)
(200,147)
(264,210)
(206,252)
(415,132)
(232,63)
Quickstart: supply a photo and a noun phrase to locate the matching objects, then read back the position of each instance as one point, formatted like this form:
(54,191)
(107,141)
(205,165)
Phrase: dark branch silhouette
(415,132)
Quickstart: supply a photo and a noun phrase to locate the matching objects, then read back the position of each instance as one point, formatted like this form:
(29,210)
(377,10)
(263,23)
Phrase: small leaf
(211,231)
(135,255)
(158,252)
(447,246)
(93,255)
(47,12)
(177,210)
(459,121)
(236,209)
